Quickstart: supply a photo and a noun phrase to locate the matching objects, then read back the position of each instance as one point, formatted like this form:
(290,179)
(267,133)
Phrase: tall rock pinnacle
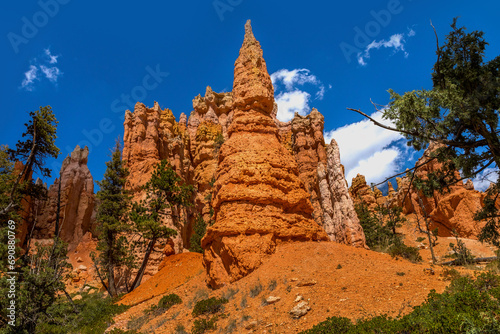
(252,87)
(258,199)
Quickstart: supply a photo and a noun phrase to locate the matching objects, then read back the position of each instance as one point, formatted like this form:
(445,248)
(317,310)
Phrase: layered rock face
(451,211)
(308,147)
(77,214)
(207,128)
(152,135)
(340,220)
(361,192)
(258,197)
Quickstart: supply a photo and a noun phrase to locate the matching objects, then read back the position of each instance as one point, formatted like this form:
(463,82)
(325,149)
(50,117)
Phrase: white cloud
(289,97)
(368,149)
(396,42)
(291,102)
(377,167)
(52,59)
(294,77)
(29,78)
(483,180)
(51,73)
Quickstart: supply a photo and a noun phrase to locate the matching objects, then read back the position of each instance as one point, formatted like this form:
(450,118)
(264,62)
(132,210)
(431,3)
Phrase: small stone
(252,325)
(77,297)
(299,310)
(298,299)
(307,283)
(429,271)
(82,267)
(272,300)
(79,259)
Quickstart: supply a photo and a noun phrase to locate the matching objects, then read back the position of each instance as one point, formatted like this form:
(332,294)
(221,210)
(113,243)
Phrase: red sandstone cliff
(77,214)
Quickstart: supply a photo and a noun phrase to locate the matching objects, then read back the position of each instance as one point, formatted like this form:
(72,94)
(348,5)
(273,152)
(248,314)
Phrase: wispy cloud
(40,69)
(52,59)
(51,73)
(395,42)
(291,96)
(369,150)
(29,78)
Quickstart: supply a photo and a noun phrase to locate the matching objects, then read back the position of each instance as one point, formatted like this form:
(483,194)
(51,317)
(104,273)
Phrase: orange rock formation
(450,211)
(361,192)
(258,199)
(77,214)
(339,217)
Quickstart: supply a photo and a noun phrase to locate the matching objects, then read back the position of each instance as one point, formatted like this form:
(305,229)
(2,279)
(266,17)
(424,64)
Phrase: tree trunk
(140,273)
(111,281)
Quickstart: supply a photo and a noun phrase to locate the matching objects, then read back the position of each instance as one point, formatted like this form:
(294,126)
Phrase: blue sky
(91,60)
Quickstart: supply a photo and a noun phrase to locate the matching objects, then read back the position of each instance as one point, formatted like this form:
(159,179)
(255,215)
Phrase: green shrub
(331,325)
(200,228)
(218,141)
(121,331)
(461,253)
(209,306)
(180,329)
(450,274)
(399,249)
(379,236)
(168,301)
(95,315)
(200,326)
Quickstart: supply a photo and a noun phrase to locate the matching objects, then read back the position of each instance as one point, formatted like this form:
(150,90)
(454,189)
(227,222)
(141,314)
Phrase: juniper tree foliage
(112,220)
(38,145)
(460,112)
(165,195)
(200,228)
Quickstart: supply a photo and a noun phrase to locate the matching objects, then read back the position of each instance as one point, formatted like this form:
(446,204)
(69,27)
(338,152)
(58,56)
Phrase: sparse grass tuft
(256,290)
(272,285)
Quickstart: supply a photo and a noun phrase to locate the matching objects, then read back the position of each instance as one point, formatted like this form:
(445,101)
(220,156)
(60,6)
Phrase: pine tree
(39,145)
(200,228)
(165,195)
(460,113)
(112,220)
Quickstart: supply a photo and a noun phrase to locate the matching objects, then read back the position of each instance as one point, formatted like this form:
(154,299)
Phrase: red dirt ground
(350,282)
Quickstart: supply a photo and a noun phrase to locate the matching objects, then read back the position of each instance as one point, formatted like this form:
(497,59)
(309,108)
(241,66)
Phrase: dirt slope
(346,281)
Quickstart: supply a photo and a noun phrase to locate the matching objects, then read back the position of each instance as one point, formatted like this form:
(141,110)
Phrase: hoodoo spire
(258,198)
(252,87)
